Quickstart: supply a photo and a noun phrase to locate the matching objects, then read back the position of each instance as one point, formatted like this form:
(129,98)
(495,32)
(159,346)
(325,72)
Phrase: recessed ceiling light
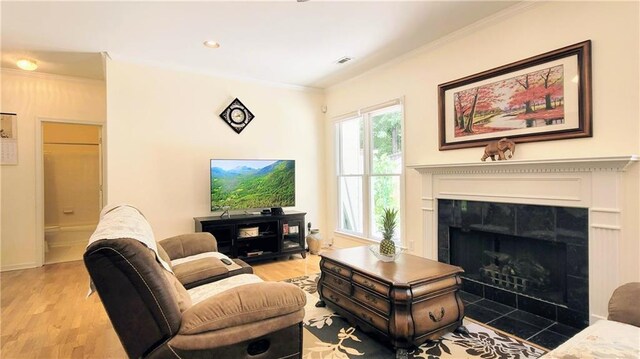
(26,64)
(211,44)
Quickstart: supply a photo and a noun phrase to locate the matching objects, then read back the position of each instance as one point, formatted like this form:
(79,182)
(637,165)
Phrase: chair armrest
(189,244)
(623,305)
(248,303)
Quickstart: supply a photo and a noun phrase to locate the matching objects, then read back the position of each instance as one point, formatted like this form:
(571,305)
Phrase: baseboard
(594,318)
(18,266)
(68,243)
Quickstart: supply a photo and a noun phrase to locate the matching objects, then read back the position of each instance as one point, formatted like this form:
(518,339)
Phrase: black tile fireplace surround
(496,240)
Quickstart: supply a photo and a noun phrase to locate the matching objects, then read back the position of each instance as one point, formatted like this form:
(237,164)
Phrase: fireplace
(533,258)
(562,197)
(598,184)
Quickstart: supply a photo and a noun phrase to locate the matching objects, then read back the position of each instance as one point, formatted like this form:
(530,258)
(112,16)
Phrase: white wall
(163,127)
(33,96)
(511,36)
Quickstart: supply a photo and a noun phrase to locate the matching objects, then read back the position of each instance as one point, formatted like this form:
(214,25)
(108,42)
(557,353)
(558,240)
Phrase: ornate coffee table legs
(462,330)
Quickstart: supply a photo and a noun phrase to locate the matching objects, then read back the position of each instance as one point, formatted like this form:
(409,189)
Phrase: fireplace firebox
(517,264)
(533,258)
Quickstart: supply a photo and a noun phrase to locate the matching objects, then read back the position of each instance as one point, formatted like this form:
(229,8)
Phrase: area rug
(328,335)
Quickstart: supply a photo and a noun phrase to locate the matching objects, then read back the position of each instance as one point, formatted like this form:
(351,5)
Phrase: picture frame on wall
(545,97)
(8,138)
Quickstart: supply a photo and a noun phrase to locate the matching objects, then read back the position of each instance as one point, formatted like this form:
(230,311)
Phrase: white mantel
(593,183)
(617,163)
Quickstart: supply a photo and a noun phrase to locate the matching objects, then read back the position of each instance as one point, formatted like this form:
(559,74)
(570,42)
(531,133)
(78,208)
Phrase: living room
(161,127)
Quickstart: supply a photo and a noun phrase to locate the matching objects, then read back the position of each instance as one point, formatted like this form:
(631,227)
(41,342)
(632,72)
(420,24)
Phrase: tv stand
(256,237)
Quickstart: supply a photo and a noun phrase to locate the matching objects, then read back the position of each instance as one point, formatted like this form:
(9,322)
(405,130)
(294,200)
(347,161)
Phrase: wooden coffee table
(406,302)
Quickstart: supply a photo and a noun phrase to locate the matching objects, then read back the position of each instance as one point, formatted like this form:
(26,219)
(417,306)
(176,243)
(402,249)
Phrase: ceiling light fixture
(26,64)
(211,44)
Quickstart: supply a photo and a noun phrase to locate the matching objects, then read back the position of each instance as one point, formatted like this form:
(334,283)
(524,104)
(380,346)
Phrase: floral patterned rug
(327,335)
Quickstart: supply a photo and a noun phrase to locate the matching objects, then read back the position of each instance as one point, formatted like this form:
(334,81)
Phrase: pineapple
(389,223)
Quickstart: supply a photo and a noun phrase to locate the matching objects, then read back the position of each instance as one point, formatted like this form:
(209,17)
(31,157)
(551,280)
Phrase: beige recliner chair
(155,317)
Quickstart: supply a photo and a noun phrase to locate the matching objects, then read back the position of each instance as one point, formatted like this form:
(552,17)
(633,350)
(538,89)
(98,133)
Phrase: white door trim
(39,160)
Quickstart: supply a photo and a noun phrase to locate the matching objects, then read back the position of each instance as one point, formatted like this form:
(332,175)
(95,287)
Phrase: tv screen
(249,184)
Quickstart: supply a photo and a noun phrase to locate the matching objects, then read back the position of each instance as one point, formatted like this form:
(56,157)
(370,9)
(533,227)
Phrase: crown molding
(213,74)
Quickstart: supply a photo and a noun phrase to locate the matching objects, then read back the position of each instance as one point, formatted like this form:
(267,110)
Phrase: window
(369,168)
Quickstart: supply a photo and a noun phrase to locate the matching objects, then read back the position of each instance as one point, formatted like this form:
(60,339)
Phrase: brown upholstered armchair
(154,316)
(198,264)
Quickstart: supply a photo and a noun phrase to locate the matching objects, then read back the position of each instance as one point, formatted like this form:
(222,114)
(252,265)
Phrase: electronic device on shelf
(253,184)
(277,211)
(248,232)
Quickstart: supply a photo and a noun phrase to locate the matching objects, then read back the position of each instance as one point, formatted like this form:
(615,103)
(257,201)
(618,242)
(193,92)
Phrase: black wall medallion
(237,115)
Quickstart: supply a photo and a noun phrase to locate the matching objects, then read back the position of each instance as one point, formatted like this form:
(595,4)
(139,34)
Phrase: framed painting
(545,97)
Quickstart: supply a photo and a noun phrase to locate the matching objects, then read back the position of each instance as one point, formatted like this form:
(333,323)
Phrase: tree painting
(529,100)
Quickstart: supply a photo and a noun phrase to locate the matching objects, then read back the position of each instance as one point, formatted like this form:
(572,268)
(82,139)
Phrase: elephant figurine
(499,148)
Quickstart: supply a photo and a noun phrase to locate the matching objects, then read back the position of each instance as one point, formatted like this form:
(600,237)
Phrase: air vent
(343,60)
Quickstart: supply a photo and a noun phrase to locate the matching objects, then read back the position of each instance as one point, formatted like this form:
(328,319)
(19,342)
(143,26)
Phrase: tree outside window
(369,169)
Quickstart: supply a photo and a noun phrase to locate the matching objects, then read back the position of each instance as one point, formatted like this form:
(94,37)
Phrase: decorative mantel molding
(590,164)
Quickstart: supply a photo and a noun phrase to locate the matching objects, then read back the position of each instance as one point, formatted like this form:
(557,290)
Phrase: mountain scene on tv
(242,184)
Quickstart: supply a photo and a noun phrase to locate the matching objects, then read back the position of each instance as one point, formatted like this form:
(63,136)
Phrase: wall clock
(237,115)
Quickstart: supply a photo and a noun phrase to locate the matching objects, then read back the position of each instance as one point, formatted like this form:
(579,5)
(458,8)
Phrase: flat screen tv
(252,184)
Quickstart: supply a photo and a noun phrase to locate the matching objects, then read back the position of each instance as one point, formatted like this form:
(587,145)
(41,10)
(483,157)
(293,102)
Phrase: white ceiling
(283,41)
(78,64)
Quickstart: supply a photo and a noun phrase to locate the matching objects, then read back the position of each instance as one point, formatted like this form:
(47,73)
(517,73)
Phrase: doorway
(72,174)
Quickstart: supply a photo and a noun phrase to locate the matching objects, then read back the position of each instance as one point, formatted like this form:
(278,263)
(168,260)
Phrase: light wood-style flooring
(45,312)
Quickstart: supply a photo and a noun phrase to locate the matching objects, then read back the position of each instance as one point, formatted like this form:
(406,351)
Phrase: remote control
(225,261)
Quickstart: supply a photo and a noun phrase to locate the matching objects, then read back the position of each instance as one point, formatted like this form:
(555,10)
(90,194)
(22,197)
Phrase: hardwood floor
(285,269)
(45,312)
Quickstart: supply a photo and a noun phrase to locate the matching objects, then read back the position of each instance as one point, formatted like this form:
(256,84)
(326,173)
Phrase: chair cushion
(241,305)
(179,292)
(244,269)
(202,292)
(199,269)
